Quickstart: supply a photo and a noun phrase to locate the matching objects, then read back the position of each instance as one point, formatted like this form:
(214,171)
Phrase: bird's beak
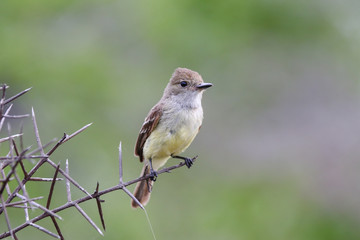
(204,86)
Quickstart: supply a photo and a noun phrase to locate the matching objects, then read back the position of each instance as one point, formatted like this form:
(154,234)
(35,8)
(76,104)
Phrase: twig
(40,207)
(17,154)
(3,119)
(9,138)
(11,232)
(52,187)
(68,191)
(18,159)
(27,218)
(13,146)
(43,147)
(49,200)
(98,202)
(57,227)
(16,96)
(88,218)
(133,197)
(38,179)
(21,202)
(77,132)
(44,230)
(3,87)
(16,116)
(4,180)
(21,139)
(37,135)
(67,176)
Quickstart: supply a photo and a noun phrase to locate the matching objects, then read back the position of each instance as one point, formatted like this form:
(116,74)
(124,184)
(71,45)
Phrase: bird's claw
(153,175)
(189,161)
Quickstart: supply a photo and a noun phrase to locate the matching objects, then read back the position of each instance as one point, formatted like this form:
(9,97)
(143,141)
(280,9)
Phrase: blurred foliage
(278,148)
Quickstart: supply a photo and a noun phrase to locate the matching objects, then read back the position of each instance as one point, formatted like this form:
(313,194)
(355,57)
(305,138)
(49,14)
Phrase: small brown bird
(170,127)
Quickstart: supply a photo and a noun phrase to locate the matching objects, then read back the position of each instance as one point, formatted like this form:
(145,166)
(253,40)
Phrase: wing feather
(150,123)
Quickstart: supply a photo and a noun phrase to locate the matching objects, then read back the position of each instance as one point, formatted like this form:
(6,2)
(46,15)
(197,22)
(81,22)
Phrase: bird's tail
(143,188)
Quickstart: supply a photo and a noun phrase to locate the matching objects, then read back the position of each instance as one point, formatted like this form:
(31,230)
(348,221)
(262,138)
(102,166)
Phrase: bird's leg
(153,173)
(188,161)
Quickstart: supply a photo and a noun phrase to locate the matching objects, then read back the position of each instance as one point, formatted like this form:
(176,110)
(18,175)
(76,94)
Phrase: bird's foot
(153,175)
(188,161)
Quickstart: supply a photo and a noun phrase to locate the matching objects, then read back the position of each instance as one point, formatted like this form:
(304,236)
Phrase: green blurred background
(279,147)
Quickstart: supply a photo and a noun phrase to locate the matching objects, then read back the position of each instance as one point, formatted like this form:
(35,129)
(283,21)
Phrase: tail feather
(143,189)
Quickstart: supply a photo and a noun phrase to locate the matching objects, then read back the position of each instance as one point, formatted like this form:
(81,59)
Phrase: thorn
(16,96)
(120,165)
(88,218)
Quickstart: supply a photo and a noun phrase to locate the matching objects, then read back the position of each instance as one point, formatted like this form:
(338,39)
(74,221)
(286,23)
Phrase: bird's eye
(183,83)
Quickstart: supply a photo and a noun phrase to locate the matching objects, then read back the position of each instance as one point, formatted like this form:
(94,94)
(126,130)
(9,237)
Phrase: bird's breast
(174,133)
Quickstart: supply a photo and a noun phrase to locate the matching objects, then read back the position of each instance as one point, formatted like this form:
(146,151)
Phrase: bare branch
(39,206)
(16,96)
(18,159)
(7,218)
(44,230)
(133,197)
(16,116)
(17,154)
(3,87)
(88,218)
(43,147)
(20,202)
(3,119)
(37,132)
(67,176)
(27,156)
(21,137)
(13,146)
(57,227)
(68,191)
(29,175)
(4,180)
(98,202)
(26,210)
(52,186)
(9,138)
(21,186)
(77,132)
(56,145)
(38,179)
(49,200)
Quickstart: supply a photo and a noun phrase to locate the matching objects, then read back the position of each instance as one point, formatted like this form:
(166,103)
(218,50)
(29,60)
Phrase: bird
(169,128)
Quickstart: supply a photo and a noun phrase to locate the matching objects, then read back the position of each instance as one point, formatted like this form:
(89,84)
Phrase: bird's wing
(151,121)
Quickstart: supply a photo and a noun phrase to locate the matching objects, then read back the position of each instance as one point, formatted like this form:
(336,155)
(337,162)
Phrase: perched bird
(170,127)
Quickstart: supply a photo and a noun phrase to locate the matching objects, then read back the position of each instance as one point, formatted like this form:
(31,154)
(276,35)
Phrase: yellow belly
(164,141)
(161,143)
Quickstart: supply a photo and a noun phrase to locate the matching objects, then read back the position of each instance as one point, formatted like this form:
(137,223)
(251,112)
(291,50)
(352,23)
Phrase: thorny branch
(13,163)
